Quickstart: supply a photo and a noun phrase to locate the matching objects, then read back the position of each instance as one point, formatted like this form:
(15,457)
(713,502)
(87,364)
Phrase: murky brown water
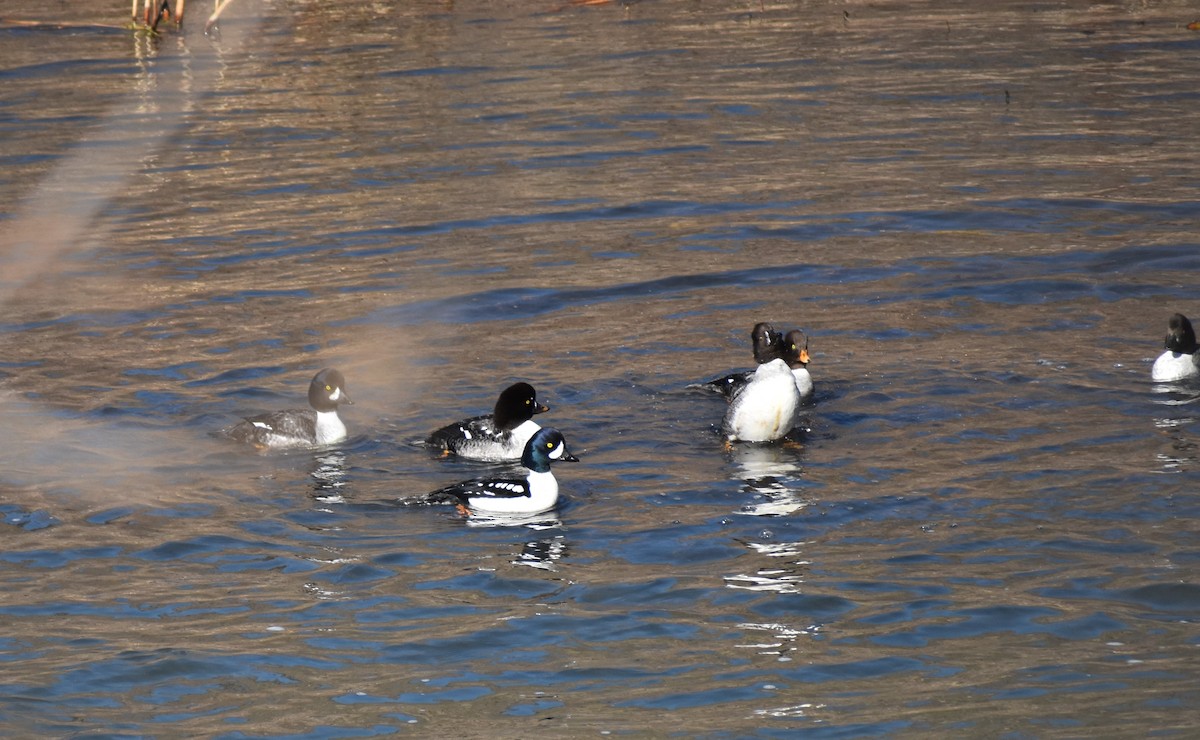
(983,216)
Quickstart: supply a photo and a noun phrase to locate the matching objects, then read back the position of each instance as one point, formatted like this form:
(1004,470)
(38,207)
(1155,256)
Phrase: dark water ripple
(986,278)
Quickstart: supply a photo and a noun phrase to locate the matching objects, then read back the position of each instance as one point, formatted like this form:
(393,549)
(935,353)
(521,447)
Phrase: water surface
(986,526)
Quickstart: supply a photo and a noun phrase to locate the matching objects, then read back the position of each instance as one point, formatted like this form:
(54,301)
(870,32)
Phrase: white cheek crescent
(556,452)
(337,393)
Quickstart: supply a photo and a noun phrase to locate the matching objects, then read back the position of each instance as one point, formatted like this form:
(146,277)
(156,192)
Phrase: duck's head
(327,390)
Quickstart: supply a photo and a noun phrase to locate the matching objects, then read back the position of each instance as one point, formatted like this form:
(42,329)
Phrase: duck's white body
(1172,366)
(541,494)
(765,408)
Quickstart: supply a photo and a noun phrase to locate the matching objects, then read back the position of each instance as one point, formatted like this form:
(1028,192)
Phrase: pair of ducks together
(761,408)
(763,402)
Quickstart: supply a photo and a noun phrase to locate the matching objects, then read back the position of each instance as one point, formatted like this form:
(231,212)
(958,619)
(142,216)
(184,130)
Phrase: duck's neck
(542,484)
(329,428)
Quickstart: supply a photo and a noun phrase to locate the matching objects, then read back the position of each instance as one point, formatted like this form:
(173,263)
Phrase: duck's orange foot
(462,509)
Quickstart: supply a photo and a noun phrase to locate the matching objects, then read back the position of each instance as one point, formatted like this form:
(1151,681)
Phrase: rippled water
(983,216)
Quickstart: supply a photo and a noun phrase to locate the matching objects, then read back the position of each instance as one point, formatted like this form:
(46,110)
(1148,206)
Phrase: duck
(795,353)
(1181,359)
(312,427)
(764,409)
(534,493)
(497,437)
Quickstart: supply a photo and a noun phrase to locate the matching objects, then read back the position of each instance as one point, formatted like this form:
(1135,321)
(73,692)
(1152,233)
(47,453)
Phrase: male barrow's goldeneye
(768,345)
(765,408)
(1181,360)
(533,494)
(300,427)
(498,437)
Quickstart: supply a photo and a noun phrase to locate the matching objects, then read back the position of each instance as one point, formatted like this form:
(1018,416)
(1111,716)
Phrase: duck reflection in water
(330,476)
(544,551)
(770,473)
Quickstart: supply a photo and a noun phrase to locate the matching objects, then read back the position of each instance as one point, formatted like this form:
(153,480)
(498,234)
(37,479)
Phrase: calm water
(982,215)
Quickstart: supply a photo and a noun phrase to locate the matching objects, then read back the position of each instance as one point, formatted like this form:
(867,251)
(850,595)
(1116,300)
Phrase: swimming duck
(795,353)
(1181,359)
(319,425)
(534,493)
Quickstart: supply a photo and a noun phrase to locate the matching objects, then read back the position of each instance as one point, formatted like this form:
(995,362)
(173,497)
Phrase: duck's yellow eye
(528,401)
(329,387)
(549,445)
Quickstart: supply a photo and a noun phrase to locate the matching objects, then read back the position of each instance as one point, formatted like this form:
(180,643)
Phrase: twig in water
(212,19)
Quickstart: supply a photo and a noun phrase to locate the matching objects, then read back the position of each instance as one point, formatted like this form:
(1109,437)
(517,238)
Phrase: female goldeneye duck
(533,494)
(764,409)
(319,425)
(497,437)
(1181,359)
(768,345)
(795,353)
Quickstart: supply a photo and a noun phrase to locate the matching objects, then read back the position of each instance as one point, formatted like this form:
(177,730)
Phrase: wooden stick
(212,19)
